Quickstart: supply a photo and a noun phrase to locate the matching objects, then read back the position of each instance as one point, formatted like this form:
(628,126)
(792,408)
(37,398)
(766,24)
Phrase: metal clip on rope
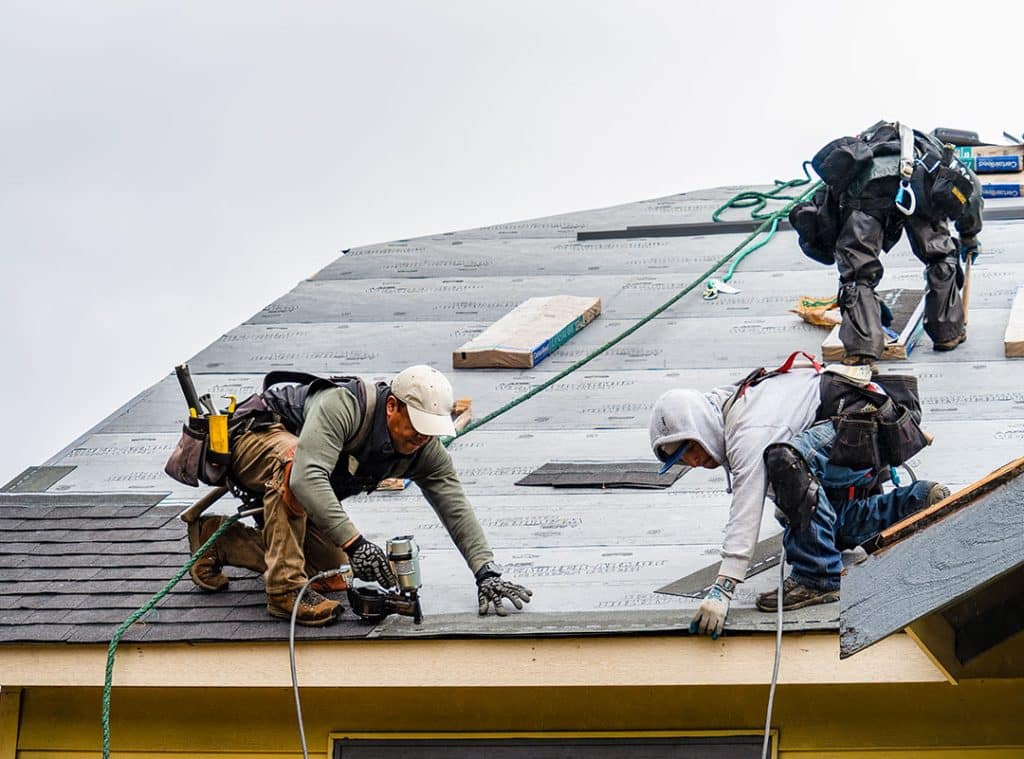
(906,190)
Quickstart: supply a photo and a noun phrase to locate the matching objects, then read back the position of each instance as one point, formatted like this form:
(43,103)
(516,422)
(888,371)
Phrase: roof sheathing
(592,557)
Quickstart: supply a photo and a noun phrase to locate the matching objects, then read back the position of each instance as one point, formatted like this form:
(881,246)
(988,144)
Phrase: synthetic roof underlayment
(84,544)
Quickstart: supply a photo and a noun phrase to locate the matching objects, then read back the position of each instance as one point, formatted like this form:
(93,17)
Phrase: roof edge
(662,660)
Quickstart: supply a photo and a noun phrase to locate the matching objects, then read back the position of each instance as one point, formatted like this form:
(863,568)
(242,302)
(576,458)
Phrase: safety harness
(368,456)
(876,418)
(365,459)
(760,374)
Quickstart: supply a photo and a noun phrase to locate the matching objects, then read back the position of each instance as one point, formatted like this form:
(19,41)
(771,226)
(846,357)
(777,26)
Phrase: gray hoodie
(772,412)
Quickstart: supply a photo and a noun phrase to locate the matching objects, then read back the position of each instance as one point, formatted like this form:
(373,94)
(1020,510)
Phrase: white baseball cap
(428,395)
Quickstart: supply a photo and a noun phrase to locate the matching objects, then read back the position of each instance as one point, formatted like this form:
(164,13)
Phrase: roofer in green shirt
(313,445)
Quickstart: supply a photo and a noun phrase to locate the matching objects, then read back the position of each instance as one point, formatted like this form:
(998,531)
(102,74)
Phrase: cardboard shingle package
(992,159)
(1002,185)
(528,334)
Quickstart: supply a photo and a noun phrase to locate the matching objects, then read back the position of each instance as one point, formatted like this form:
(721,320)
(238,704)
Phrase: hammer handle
(193,512)
(188,389)
(966,294)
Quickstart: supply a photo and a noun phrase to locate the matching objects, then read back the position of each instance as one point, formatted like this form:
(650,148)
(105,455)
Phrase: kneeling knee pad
(796,489)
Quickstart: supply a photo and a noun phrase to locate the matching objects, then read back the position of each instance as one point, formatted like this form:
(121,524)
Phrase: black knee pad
(850,293)
(847,295)
(796,489)
(945,270)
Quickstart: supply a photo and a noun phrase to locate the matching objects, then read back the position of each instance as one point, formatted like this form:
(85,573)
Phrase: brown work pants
(293,546)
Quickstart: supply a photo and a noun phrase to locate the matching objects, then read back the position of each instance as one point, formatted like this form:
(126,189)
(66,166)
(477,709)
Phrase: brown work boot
(333,584)
(795,596)
(205,573)
(937,492)
(238,546)
(314,611)
(948,345)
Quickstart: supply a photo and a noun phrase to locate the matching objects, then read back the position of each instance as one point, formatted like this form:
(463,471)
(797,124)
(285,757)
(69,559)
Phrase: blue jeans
(841,522)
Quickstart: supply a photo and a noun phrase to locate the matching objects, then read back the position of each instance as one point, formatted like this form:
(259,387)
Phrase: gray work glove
(710,616)
(491,590)
(369,562)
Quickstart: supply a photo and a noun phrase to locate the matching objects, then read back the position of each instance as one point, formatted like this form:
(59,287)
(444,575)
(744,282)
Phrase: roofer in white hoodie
(776,410)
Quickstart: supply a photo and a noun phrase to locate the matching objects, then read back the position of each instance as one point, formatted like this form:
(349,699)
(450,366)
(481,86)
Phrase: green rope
(771,221)
(138,614)
(757,201)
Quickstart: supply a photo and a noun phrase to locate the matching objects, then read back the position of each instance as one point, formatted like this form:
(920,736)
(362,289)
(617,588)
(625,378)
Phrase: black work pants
(857,252)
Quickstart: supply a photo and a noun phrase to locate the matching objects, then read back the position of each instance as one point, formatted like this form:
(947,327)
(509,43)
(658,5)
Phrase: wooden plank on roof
(1013,342)
(907,307)
(528,334)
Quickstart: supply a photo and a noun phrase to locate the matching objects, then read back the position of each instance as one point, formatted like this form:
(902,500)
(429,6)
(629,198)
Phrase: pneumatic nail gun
(372,604)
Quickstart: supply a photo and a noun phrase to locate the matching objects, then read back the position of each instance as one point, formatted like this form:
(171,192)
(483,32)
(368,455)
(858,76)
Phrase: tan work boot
(238,546)
(205,573)
(314,610)
(795,596)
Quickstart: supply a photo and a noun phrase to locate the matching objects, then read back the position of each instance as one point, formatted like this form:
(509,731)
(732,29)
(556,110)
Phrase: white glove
(710,616)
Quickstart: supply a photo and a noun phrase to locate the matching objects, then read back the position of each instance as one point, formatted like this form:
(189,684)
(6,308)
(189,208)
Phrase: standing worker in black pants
(884,180)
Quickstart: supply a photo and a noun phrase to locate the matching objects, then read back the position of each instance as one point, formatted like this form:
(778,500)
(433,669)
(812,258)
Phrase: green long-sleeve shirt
(332,417)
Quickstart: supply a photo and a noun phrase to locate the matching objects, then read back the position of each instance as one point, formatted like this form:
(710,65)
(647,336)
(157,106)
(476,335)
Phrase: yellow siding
(977,719)
(10,713)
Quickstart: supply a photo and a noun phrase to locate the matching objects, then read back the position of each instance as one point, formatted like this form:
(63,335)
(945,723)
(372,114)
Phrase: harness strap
(906,151)
(370,394)
(760,375)
(279,376)
(906,172)
(866,204)
(291,503)
(792,359)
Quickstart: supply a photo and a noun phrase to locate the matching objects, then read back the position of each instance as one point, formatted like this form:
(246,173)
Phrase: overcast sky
(169,168)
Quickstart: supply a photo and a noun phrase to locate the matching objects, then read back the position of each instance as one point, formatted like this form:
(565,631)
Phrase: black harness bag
(873,429)
(816,222)
(842,161)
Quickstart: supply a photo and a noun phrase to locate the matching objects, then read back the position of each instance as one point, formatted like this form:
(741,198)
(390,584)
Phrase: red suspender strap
(792,358)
